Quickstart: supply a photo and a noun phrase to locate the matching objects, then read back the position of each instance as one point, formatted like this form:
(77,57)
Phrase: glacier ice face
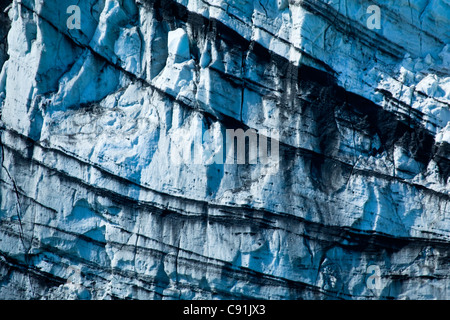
(96,202)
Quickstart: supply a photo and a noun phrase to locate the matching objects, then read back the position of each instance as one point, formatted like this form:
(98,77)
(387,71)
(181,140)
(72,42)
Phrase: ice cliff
(98,98)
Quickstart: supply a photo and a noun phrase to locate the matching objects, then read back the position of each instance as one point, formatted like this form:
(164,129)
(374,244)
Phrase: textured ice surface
(95,203)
